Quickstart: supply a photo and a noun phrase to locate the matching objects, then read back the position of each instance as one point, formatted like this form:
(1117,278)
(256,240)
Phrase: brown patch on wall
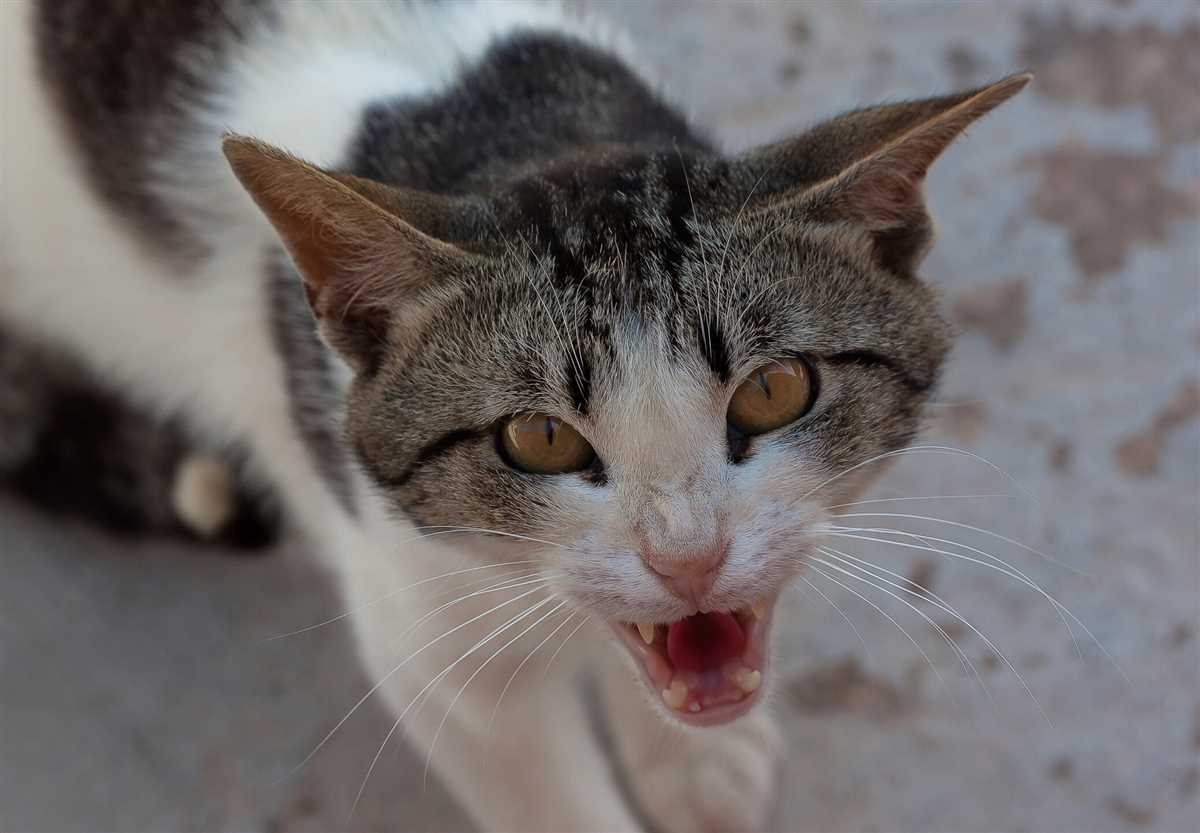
(1131,812)
(997,309)
(1058,456)
(1138,455)
(1110,66)
(922,574)
(965,64)
(844,687)
(1061,769)
(1189,782)
(1196,727)
(799,30)
(1181,634)
(1107,201)
(964,421)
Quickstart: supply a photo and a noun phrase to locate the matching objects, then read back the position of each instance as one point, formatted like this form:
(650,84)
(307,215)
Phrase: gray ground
(137,693)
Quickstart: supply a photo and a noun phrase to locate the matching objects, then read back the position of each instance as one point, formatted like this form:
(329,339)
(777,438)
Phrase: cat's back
(132,97)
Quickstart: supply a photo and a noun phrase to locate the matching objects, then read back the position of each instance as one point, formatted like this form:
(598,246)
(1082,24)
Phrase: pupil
(549,432)
(764,384)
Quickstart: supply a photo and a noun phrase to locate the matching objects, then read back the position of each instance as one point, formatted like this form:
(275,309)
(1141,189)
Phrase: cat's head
(661,367)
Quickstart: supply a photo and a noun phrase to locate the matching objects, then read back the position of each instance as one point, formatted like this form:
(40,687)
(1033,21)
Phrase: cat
(485,308)
(74,447)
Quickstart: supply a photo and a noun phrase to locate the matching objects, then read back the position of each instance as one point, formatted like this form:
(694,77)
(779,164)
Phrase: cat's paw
(211,504)
(720,779)
(204,495)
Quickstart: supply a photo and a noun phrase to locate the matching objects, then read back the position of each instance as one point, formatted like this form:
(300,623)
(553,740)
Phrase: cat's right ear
(867,169)
(356,243)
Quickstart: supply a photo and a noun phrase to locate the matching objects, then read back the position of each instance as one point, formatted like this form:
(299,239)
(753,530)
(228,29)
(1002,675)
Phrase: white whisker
(981,531)
(963,659)
(517,670)
(929,596)
(842,613)
(429,685)
(389,675)
(558,650)
(1007,569)
(437,732)
(394,593)
(900,627)
(919,497)
(514,583)
(923,449)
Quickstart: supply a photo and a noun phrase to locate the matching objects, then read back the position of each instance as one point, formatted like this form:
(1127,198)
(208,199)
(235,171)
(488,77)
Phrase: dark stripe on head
(869,358)
(579,381)
(714,349)
(426,455)
(536,201)
(679,207)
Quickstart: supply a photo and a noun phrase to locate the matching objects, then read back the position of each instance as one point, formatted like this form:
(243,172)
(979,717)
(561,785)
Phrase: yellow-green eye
(542,444)
(772,396)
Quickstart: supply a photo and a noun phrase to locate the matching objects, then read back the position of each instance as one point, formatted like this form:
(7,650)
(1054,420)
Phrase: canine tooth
(676,695)
(647,632)
(694,707)
(748,680)
(759,609)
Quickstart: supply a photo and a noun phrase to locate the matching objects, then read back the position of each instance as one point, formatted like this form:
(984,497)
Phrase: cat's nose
(690,576)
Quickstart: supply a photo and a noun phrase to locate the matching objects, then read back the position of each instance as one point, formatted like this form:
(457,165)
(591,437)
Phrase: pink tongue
(705,641)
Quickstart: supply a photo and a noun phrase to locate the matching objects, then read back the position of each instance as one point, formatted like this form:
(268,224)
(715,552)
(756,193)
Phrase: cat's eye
(773,395)
(542,444)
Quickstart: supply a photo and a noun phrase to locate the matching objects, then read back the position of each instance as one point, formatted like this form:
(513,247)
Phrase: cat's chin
(706,669)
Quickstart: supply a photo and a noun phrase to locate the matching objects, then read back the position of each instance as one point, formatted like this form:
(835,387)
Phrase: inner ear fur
(867,168)
(363,249)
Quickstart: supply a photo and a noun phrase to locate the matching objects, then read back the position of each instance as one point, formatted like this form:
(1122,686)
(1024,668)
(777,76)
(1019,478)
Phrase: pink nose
(689,576)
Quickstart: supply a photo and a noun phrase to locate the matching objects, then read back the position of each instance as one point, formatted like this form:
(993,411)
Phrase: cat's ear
(364,250)
(868,168)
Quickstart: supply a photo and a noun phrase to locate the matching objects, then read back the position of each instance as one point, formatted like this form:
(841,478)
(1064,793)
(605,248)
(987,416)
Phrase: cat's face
(668,410)
(663,368)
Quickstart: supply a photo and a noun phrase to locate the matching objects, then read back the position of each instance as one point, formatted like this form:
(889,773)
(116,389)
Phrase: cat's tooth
(759,609)
(694,706)
(748,680)
(676,695)
(647,632)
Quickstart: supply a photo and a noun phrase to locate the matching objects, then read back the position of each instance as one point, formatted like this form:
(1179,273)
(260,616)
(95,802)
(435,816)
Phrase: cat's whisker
(708,274)
(484,531)
(429,686)
(938,674)
(922,449)
(437,732)
(960,655)
(937,601)
(1001,566)
(569,350)
(514,583)
(395,593)
(842,613)
(980,530)
(738,217)
(522,664)
(563,644)
(918,497)
(394,670)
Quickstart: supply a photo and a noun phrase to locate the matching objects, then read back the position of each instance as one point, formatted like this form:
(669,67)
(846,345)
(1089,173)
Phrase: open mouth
(708,668)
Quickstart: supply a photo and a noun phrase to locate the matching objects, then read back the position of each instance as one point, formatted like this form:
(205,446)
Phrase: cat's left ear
(882,193)
(366,251)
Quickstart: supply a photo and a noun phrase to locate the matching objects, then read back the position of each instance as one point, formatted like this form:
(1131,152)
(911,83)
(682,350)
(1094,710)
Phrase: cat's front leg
(688,780)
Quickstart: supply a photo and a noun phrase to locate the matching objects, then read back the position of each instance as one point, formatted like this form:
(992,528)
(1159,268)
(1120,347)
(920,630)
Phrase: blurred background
(138,691)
